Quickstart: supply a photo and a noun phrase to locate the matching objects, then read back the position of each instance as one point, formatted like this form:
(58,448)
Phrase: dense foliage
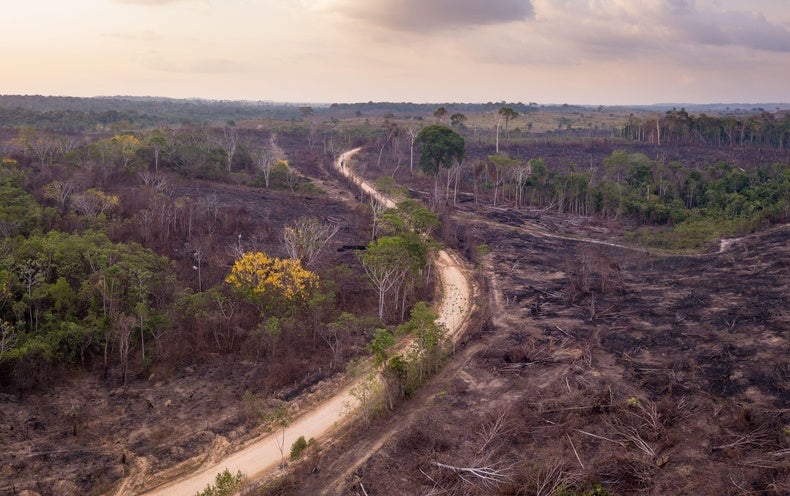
(114,256)
(634,187)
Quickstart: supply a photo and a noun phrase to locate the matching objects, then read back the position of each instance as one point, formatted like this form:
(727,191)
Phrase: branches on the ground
(485,476)
(553,476)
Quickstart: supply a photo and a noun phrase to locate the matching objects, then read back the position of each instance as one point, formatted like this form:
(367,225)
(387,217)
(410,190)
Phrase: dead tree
(306,237)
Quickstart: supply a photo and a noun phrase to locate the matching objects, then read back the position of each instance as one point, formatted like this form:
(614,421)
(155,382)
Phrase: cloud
(426,16)
(730,28)
(669,29)
(678,36)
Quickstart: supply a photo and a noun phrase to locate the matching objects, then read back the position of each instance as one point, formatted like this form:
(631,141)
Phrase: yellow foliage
(260,275)
(127,141)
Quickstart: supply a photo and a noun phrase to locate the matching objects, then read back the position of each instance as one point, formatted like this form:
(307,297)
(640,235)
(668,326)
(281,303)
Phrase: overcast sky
(547,51)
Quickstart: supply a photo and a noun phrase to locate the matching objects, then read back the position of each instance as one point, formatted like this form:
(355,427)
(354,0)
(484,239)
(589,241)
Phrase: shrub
(298,447)
(225,484)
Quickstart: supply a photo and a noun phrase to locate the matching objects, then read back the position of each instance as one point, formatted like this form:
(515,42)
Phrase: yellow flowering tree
(266,280)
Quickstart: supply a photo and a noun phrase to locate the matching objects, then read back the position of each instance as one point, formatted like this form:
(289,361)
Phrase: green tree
(441,147)
(409,216)
(508,114)
(457,120)
(382,341)
(393,264)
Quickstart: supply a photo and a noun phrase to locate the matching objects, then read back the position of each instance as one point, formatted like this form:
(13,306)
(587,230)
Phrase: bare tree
(306,237)
(94,202)
(520,174)
(265,160)
(413,130)
(198,251)
(59,191)
(292,178)
(152,180)
(122,326)
(229,142)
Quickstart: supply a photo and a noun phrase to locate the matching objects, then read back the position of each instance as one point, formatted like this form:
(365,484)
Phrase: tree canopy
(441,146)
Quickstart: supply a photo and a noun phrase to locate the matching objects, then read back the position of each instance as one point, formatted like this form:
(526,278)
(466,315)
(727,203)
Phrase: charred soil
(599,366)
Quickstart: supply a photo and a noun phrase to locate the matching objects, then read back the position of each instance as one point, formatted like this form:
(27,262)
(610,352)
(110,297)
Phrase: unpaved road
(263,456)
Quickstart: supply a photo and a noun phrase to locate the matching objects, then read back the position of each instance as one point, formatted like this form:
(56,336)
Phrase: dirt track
(263,456)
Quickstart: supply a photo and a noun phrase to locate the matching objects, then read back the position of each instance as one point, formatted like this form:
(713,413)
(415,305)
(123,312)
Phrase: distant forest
(765,125)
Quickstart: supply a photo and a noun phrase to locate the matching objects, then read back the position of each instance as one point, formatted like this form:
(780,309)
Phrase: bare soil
(672,378)
(599,363)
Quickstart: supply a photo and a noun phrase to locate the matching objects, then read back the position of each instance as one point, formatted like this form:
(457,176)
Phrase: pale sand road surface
(263,456)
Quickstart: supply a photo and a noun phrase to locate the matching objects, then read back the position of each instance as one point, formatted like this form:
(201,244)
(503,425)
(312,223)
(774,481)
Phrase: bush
(298,447)
(225,484)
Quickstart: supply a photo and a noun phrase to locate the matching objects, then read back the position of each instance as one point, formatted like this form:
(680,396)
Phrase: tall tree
(440,114)
(508,114)
(441,148)
(393,265)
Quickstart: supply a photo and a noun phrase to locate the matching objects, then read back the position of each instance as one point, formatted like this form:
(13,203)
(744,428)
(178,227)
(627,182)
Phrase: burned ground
(88,432)
(603,365)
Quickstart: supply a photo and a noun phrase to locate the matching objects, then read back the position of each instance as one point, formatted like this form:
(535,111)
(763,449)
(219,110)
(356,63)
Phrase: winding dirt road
(263,456)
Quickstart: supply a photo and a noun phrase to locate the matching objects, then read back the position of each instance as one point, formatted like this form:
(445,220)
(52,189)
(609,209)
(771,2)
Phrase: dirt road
(263,456)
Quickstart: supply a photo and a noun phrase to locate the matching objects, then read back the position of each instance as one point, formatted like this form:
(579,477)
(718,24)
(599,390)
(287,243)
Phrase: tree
(94,202)
(457,120)
(440,113)
(409,216)
(382,341)
(393,264)
(280,417)
(441,148)
(412,130)
(306,237)
(305,112)
(265,280)
(122,326)
(225,484)
(229,142)
(157,141)
(265,160)
(502,165)
(508,114)
(8,338)
(59,191)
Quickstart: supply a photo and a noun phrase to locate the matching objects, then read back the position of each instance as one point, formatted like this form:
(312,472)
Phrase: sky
(601,52)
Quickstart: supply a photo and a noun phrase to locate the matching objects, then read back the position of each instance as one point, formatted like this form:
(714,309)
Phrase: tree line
(678,127)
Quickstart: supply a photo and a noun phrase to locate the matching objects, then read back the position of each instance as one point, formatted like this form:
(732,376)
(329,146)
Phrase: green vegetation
(225,484)
(299,447)
(68,296)
(115,248)
(404,373)
(693,206)
(441,147)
